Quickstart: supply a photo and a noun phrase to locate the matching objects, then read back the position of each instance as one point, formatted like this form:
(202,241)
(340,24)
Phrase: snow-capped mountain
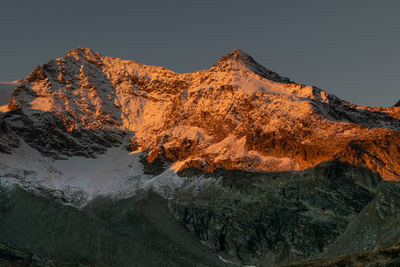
(236,115)
(260,169)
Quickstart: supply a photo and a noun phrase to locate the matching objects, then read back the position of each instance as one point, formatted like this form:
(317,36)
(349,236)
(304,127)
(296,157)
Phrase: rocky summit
(109,162)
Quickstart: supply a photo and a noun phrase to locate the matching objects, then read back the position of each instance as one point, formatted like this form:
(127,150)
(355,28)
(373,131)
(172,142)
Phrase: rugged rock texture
(109,162)
(267,219)
(388,257)
(375,227)
(136,231)
(236,115)
(14,257)
(262,219)
(47,134)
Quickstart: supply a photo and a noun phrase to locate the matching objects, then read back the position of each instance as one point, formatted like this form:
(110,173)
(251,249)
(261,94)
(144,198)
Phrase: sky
(347,48)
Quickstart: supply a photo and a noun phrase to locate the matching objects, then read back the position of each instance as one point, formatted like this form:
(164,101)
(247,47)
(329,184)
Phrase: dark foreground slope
(275,218)
(382,257)
(261,219)
(133,232)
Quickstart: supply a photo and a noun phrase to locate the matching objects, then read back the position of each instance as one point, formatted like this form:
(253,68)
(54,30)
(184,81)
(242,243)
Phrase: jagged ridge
(216,128)
(236,115)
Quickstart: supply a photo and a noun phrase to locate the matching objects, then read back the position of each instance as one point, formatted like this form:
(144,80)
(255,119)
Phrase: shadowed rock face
(137,231)
(48,135)
(382,257)
(276,218)
(262,219)
(270,171)
(255,218)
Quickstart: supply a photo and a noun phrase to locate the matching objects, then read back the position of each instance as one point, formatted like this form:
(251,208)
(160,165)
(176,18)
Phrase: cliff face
(276,218)
(257,168)
(236,115)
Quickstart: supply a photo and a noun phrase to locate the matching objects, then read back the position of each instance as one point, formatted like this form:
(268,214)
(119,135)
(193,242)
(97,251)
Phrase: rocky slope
(136,231)
(227,166)
(291,216)
(236,115)
(382,257)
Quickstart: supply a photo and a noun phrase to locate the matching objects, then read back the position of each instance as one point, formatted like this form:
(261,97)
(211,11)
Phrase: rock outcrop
(109,162)
(236,115)
(276,218)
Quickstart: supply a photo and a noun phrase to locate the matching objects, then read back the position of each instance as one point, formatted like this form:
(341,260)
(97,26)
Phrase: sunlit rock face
(235,165)
(236,115)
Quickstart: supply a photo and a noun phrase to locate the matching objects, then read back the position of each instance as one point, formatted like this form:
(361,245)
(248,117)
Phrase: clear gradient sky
(348,48)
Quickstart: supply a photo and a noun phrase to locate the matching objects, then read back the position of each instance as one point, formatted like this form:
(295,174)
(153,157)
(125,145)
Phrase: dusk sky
(348,48)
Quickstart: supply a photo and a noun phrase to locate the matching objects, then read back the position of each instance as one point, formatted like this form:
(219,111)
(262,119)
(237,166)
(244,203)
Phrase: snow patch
(117,173)
(233,149)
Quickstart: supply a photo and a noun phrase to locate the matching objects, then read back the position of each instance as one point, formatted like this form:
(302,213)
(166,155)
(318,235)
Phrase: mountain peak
(80,50)
(238,55)
(235,111)
(83,52)
(239,60)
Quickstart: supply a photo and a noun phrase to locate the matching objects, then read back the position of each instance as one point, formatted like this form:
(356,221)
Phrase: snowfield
(117,173)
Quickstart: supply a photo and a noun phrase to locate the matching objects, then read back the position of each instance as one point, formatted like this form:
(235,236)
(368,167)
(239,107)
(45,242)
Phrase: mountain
(260,169)
(232,114)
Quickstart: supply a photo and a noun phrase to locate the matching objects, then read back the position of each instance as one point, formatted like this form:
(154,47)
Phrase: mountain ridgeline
(220,167)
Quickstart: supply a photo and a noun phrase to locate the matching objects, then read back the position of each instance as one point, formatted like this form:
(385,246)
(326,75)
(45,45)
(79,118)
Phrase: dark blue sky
(348,48)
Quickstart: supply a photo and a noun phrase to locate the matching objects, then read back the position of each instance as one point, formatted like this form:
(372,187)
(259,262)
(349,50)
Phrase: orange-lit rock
(236,115)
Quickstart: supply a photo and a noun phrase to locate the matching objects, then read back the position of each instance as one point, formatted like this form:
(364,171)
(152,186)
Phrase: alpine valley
(109,162)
